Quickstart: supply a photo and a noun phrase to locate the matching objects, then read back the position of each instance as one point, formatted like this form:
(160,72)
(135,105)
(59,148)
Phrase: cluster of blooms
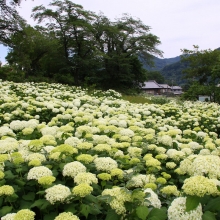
(57,193)
(38,172)
(108,136)
(152,198)
(177,210)
(170,190)
(67,216)
(8,145)
(102,147)
(105,164)
(87,178)
(200,186)
(120,196)
(206,165)
(46,180)
(6,190)
(140,180)
(23,214)
(73,168)
(82,190)
(85,158)
(65,149)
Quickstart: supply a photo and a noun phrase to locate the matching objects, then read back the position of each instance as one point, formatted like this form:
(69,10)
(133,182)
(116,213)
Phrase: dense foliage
(203,72)
(78,47)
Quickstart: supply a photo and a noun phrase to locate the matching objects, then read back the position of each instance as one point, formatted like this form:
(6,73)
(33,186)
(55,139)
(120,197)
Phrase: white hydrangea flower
(49,130)
(105,163)
(35,156)
(8,145)
(177,210)
(9,216)
(38,172)
(73,168)
(205,165)
(73,141)
(153,198)
(140,180)
(6,131)
(165,140)
(126,132)
(195,146)
(57,193)
(88,178)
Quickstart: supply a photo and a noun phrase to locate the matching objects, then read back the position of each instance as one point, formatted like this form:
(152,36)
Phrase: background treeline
(77,47)
(74,46)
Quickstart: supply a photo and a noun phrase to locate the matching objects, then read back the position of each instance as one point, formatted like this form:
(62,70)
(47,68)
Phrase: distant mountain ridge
(160,63)
(170,68)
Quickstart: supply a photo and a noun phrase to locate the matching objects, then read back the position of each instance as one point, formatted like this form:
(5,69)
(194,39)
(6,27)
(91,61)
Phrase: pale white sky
(178,23)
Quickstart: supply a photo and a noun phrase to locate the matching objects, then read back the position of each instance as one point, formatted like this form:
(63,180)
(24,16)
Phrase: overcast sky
(178,23)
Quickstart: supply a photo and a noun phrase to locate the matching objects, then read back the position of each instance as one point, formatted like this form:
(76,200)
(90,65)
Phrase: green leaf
(18,170)
(12,198)
(85,210)
(105,198)
(29,197)
(158,214)
(19,182)
(95,209)
(112,215)
(2,182)
(192,202)
(91,198)
(142,212)
(41,204)
(70,208)
(1,201)
(213,205)
(25,204)
(9,175)
(103,183)
(41,192)
(51,216)
(5,210)
(208,216)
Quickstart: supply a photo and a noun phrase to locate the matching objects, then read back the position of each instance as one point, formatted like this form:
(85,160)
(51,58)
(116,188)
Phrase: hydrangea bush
(65,154)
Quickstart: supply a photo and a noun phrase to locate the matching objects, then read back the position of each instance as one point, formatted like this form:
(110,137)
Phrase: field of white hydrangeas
(67,155)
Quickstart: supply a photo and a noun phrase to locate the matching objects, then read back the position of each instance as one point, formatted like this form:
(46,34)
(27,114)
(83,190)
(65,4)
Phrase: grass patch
(136,99)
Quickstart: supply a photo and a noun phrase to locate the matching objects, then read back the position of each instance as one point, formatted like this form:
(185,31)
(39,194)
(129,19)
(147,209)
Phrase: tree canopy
(203,70)
(80,47)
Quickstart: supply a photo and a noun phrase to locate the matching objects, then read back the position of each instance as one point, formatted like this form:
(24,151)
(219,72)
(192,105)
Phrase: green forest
(77,47)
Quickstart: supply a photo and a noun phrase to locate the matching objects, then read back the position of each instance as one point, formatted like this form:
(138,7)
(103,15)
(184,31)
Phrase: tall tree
(71,25)
(29,48)
(10,23)
(202,68)
(121,43)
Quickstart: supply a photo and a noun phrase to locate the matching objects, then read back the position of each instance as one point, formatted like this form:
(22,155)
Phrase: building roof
(176,87)
(151,85)
(165,86)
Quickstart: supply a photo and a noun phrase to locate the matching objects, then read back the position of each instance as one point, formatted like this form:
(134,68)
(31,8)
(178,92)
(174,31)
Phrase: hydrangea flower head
(177,210)
(105,163)
(24,214)
(82,190)
(87,178)
(57,193)
(38,172)
(199,186)
(6,190)
(73,168)
(67,216)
